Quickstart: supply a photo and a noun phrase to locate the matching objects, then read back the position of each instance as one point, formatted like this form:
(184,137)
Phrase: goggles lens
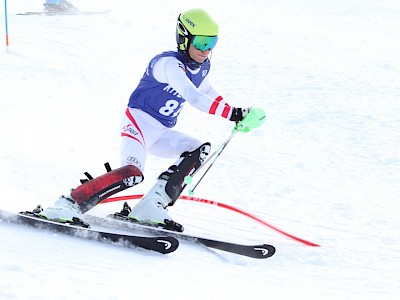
(203,43)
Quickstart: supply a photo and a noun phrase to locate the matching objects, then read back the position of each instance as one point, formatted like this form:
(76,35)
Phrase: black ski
(162,244)
(255,251)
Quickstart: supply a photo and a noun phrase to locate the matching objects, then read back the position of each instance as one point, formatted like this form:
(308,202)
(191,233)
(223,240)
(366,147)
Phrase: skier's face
(198,55)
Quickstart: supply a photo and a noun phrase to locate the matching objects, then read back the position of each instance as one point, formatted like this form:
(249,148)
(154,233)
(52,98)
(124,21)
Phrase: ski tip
(167,244)
(264,251)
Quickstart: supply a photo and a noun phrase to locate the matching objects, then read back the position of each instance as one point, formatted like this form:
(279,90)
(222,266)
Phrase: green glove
(253,119)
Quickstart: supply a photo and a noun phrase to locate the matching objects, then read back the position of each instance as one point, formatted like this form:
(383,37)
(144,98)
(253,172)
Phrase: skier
(59,6)
(170,79)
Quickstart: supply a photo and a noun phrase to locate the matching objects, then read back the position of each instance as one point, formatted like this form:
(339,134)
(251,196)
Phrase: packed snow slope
(325,166)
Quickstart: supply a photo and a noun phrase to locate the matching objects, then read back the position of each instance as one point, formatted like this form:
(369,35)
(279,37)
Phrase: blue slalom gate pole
(6,19)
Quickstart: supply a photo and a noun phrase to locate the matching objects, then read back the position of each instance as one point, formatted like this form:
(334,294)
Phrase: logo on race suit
(182,66)
(169,89)
(130,129)
(151,65)
(134,161)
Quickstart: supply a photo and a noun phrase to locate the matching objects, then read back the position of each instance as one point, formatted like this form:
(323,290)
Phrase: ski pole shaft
(219,149)
(217,153)
(253,119)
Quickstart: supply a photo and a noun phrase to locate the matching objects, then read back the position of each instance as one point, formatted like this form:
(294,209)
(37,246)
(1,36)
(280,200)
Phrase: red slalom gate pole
(219,204)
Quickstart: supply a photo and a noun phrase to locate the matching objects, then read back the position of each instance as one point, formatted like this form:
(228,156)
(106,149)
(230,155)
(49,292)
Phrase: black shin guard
(185,166)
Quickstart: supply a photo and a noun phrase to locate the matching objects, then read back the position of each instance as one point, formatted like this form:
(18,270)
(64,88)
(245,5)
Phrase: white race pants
(142,134)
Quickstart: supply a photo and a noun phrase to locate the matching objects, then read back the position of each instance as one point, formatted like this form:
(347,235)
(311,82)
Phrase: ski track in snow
(325,166)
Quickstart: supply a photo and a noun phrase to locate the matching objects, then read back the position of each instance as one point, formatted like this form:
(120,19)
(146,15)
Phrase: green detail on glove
(253,119)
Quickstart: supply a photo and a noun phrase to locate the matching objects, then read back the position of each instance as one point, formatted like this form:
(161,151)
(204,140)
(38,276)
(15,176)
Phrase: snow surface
(324,167)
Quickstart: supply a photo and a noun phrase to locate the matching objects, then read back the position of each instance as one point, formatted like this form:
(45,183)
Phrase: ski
(259,251)
(161,244)
(55,13)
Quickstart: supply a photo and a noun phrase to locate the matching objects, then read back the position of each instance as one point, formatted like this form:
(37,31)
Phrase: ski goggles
(203,43)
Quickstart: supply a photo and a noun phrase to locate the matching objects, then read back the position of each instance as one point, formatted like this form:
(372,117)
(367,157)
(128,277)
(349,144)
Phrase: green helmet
(196,22)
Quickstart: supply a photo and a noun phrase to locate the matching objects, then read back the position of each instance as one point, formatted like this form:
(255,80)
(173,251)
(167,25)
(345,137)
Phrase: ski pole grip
(254,119)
